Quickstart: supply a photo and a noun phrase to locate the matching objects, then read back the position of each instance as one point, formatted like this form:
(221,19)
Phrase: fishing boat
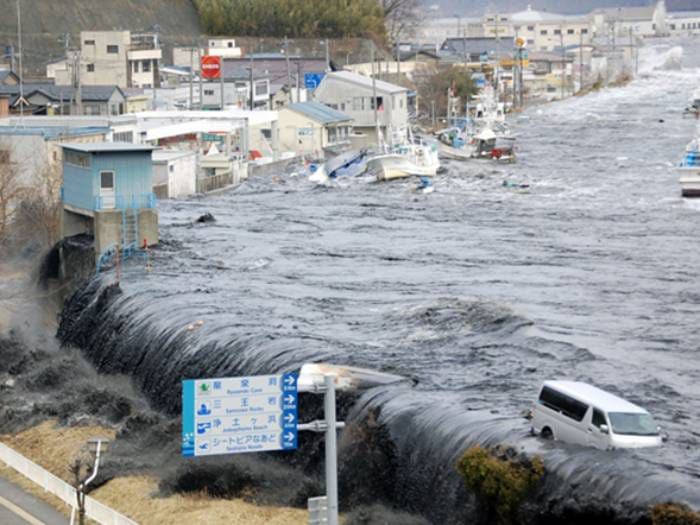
(455,143)
(690,170)
(412,157)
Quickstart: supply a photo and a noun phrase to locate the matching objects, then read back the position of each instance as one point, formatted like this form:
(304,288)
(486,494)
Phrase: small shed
(108,192)
(174,173)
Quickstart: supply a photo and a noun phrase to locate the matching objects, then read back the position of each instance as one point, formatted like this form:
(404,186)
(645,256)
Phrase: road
(18,507)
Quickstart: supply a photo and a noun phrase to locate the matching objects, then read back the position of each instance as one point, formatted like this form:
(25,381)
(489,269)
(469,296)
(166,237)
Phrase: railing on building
(123,202)
(59,488)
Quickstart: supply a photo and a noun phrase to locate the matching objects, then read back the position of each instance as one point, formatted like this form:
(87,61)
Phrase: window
(171,168)
(598,418)
(91,68)
(530,42)
(135,66)
(566,405)
(380,103)
(121,108)
(530,28)
(401,102)
(358,103)
(230,44)
(112,49)
(570,32)
(543,32)
(107,180)
(114,109)
(584,31)
(146,66)
(76,158)
(557,31)
(4,156)
(516,28)
(123,136)
(89,42)
(209,92)
(682,26)
(673,27)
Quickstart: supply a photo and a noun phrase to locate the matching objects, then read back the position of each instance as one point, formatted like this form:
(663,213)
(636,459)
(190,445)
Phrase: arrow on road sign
(289,398)
(289,380)
(289,418)
(289,436)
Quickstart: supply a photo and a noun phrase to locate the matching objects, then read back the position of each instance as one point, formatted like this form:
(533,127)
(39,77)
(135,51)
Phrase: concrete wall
(74,223)
(109,68)
(179,175)
(108,229)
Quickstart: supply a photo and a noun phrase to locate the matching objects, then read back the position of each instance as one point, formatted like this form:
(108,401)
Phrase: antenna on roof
(21,71)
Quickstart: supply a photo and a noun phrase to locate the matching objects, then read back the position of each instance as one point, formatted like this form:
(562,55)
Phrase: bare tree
(11,193)
(40,209)
(401,17)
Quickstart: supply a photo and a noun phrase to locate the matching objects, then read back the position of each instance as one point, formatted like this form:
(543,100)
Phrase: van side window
(568,406)
(598,418)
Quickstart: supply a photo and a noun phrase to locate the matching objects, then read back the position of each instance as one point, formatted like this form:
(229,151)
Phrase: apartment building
(118,58)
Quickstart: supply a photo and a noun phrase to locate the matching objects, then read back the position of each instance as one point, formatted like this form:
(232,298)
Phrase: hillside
(44,22)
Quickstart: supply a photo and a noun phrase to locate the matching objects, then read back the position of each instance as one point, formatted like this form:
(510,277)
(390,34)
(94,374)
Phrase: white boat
(690,170)
(465,152)
(405,160)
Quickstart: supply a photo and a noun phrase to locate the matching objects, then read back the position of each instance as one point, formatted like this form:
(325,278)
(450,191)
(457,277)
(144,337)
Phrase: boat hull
(395,166)
(690,181)
(449,152)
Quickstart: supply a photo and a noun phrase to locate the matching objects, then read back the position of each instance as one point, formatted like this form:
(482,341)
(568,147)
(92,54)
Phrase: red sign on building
(211,66)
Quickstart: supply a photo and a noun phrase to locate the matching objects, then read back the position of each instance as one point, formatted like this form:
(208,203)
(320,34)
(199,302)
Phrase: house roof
(533,15)
(628,13)
(365,81)
(683,14)
(273,68)
(108,147)
(166,155)
(320,112)
(472,46)
(65,93)
(5,73)
(53,132)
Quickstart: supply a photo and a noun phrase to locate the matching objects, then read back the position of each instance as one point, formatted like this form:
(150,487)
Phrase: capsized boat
(350,163)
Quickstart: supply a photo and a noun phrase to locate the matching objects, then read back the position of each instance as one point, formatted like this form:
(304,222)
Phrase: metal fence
(59,488)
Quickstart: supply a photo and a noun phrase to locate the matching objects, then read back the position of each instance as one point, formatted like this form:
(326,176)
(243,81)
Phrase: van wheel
(547,433)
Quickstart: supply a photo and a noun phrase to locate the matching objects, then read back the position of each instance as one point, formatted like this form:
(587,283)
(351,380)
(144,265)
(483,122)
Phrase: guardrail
(93,509)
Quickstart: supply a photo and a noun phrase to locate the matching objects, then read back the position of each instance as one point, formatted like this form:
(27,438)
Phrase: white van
(583,414)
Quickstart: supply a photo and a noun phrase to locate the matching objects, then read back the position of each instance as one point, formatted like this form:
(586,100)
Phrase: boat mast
(374,103)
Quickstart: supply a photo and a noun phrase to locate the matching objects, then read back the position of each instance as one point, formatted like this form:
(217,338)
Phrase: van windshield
(633,424)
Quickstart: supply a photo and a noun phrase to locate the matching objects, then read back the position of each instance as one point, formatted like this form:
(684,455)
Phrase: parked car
(586,415)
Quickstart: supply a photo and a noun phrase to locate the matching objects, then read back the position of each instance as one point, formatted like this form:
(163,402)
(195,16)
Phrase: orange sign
(211,66)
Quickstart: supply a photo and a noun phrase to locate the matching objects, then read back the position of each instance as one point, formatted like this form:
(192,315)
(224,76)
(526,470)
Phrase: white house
(683,22)
(353,94)
(637,21)
(174,173)
(312,128)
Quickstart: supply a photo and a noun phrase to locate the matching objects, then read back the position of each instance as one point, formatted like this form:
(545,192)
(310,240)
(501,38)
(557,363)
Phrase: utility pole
(21,70)
(299,80)
(191,77)
(201,87)
(77,81)
(563,60)
(374,99)
(221,82)
(328,56)
(580,61)
(289,72)
(252,87)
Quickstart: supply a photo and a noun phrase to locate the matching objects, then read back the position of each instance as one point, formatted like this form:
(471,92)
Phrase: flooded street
(477,292)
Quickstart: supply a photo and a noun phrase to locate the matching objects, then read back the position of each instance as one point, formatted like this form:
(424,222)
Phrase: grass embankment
(53,447)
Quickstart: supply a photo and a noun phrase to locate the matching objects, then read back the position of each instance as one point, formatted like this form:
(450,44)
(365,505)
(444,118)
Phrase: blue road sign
(313,80)
(239,414)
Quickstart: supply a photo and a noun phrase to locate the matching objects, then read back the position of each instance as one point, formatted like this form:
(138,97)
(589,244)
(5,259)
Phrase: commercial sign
(239,414)
(211,66)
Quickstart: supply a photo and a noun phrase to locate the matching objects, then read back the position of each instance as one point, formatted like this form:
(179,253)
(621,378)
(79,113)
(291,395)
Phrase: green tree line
(293,18)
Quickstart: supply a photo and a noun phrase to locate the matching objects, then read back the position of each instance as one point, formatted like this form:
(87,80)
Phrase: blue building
(108,193)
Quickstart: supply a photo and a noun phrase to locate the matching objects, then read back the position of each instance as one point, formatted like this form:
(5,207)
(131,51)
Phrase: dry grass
(53,447)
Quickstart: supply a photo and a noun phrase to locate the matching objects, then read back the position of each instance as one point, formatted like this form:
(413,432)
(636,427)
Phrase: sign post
(210,68)
(258,414)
